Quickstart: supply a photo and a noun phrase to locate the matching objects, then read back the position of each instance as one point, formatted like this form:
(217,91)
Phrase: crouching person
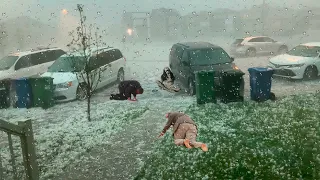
(167,80)
(127,89)
(184,130)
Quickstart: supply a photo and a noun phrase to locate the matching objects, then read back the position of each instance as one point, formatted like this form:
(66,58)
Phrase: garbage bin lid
(259,69)
(233,72)
(23,78)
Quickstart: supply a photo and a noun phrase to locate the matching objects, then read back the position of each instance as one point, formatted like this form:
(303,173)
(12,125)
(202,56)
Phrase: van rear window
(209,57)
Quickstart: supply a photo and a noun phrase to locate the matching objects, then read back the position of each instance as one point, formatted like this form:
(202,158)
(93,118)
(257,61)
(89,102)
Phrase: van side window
(104,58)
(38,58)
(112,55)
(266,39)
(23,62)
(179,52)
(53,55)
(185,56)
(172,51)
(94,62)
(259,39)
(117,54)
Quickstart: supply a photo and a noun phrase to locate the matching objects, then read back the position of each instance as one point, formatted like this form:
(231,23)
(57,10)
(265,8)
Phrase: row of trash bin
(27,92)
(228,88)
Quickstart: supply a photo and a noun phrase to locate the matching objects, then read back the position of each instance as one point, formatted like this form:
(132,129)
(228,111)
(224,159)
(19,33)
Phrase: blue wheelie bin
(24,93)
(260,83)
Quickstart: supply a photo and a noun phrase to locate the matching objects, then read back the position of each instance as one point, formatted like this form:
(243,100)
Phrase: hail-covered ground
(122,134)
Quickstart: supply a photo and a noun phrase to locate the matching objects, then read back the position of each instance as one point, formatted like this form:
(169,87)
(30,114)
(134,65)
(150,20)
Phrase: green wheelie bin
(205,92)
(5,93)
(42,91)
(231,86)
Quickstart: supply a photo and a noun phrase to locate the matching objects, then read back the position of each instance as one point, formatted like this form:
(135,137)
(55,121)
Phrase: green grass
(271,140)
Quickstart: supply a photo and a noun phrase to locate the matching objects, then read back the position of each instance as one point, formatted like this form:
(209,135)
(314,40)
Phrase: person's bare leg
(179,142)
(180,134)
(192,135)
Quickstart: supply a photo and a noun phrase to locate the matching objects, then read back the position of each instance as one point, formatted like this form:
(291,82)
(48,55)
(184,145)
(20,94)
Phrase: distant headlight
(64,85)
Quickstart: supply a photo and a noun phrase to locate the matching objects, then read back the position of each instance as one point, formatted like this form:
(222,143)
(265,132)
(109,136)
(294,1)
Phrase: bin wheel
(272,96)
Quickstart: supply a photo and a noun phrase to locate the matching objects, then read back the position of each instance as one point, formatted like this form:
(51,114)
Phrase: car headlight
(235,67)
(295,65)
(64,85)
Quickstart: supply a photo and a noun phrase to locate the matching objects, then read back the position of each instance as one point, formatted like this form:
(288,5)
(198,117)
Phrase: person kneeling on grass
(184,130)
(167,80)
(126,89)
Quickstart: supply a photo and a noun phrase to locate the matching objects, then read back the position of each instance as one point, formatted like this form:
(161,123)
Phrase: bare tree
(89,45)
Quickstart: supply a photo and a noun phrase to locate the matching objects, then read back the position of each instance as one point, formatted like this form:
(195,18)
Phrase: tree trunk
(89,107)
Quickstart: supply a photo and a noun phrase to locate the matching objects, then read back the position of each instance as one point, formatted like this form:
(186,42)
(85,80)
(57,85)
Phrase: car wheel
(191,88)
(311,72)
(81,93)
(251,52)
(120,75)
(283,50)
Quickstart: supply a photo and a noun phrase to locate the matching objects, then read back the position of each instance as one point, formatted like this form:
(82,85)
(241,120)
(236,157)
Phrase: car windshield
(68,64)
(209,56)
(305,51)
(7,62)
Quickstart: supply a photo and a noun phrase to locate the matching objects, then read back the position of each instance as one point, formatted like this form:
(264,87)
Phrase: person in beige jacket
(184,130)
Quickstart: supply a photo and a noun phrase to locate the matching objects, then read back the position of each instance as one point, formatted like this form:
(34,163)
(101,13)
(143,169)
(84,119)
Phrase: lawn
(63,134)
(270,140)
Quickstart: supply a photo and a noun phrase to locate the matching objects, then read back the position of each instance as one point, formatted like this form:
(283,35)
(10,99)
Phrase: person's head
(139,91)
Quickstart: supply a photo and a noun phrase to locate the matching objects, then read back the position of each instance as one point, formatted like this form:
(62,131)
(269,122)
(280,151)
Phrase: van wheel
(81,92)
(191,88)
(120,76)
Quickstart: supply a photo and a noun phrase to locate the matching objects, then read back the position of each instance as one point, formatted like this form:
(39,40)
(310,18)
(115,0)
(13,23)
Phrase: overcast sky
(110,11)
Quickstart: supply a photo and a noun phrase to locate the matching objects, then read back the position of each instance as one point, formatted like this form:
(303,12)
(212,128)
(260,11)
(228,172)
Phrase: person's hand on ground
(161,134)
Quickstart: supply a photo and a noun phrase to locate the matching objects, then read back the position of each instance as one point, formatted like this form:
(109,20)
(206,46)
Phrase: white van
(66,73)
(29,63)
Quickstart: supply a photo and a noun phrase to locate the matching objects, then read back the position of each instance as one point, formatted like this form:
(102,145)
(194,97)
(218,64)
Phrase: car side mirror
(232,59)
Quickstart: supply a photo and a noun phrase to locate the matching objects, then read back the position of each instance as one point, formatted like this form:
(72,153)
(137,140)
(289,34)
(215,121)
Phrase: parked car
(301,62)
(28,63)
(66,72)
(251,46)
(187,58)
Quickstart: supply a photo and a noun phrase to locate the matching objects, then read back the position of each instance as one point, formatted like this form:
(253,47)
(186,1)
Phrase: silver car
(251,46)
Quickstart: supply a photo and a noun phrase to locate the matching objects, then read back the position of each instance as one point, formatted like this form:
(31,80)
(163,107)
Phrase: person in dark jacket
(185,130)
(127,89)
